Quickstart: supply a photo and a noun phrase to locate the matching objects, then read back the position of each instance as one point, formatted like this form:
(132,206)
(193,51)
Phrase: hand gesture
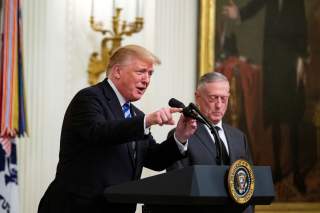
(185,128)
(161,117)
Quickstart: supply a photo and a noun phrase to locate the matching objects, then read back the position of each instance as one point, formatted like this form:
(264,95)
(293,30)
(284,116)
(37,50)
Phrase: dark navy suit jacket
(96,152)
(202,150)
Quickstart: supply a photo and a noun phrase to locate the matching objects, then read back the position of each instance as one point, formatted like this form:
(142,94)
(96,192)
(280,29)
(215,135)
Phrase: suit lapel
(230,140)
(116,109)
(133,153)
(205,139)
(112,100)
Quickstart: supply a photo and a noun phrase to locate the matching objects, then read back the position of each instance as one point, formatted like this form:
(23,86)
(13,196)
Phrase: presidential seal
(241,181)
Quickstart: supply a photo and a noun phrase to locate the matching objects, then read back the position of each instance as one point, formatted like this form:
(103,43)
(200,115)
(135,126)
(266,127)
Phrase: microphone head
(175,103)
(193,106)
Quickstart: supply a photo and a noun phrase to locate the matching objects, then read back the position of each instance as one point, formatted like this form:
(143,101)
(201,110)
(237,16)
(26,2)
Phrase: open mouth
(141,89)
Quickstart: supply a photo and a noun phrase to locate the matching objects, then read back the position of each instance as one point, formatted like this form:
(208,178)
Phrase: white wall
(58,42)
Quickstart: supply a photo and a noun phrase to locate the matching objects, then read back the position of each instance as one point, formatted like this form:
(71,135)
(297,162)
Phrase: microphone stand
(203,119)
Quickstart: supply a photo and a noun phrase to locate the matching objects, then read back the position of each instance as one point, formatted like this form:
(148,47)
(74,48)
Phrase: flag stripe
(12,91)
(22,114)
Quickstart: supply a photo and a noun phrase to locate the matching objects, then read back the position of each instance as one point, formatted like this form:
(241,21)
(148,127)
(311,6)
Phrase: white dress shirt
(221,134)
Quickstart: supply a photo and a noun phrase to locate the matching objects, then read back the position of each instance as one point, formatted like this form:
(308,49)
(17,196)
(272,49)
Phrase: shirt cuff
(146,130)
(182,147)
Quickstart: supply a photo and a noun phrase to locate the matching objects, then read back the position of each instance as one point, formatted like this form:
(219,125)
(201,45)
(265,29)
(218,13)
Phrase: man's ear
(116,71)
(196,95)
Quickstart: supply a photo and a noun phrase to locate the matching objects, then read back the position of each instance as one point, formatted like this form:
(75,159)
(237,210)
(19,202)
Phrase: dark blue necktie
(126,110)
(224,154)
(127,114)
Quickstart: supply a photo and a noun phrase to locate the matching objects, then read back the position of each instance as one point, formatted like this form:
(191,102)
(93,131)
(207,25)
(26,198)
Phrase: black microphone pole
(214,132)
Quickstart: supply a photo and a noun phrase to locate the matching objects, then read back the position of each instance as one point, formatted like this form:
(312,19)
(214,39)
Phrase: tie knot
(126,110)
(217,128)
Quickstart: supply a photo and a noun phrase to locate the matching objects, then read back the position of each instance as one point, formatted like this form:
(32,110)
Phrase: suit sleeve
(247,149)
(181,163)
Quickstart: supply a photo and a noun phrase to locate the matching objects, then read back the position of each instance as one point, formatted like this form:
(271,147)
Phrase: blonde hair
(122,54)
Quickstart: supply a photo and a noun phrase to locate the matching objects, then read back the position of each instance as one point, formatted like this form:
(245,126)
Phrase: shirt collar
(219,124)
(118,94)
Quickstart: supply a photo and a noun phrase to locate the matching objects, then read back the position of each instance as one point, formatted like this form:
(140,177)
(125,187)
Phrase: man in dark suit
(105,139)
(212,99)
(284,47)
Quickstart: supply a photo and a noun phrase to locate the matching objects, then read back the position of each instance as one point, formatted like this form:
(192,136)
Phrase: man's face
(212,99)
(133,78)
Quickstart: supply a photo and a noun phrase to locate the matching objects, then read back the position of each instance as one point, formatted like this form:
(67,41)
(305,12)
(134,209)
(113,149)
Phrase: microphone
(175,103)
(190,111)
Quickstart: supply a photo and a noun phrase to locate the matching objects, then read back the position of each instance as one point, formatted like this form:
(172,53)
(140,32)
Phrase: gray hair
(211,77)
